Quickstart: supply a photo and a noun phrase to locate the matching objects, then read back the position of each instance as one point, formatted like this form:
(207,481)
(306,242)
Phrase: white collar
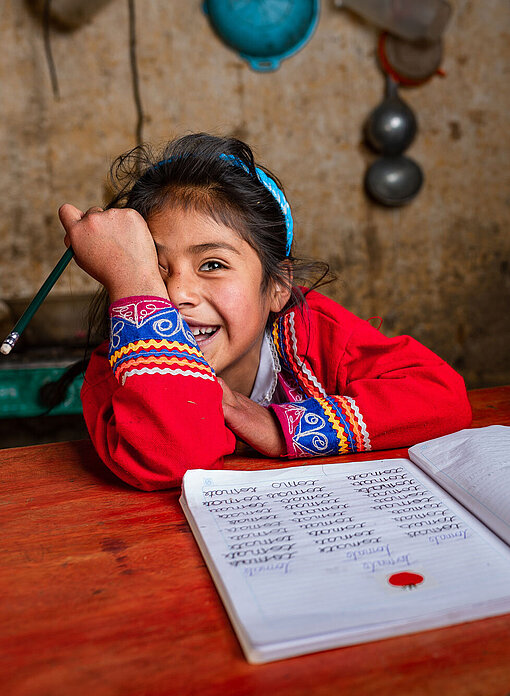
(267,374)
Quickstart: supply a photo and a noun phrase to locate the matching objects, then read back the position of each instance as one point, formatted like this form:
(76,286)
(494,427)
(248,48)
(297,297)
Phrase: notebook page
(319,556)
(473,466)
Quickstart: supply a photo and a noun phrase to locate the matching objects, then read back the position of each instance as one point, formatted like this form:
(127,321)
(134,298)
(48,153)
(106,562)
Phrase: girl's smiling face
(214,278)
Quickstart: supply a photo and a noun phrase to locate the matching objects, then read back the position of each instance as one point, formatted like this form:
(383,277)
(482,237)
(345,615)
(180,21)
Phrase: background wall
(437,268)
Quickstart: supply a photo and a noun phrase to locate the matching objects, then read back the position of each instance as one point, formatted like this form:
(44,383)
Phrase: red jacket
(153,405)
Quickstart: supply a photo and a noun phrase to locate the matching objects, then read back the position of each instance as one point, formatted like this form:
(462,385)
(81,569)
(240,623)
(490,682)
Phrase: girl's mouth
(204,334)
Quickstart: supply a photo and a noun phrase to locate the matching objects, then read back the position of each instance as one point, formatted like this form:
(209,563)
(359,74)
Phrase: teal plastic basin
(264,32)
(19,390)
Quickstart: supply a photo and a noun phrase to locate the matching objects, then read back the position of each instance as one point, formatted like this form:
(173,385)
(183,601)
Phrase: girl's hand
(116,248)
(252,423)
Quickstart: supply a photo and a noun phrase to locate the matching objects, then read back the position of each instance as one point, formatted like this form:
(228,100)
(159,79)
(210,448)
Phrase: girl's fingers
(95,209)
(228,396)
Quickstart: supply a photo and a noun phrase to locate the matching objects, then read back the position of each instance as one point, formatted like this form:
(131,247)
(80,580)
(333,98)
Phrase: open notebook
(319,556)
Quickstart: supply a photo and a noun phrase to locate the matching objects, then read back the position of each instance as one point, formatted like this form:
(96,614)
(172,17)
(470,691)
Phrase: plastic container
(414,20)
(264,32)
(409,63)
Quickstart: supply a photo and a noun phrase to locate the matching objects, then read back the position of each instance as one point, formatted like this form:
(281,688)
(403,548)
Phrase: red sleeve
(150,400)
(362,390)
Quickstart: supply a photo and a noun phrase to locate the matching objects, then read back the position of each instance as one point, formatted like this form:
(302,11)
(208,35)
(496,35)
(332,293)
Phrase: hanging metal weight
(391,127)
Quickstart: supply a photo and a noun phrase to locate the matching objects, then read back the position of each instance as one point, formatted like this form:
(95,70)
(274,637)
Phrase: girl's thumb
(68,214)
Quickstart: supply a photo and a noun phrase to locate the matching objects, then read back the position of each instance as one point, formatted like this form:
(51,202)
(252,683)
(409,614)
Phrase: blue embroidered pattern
(150,337)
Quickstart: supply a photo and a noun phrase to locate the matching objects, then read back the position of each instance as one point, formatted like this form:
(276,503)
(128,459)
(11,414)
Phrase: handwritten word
(309,504)
(250,553)
(293,484)
(397,470)
(379,563)
(342,537)
(322,532)
(350,544)
(424,523)
(418,515)
(306,516)
(259,542)
(248,527)
(243,506)
(346,522)
(425,532)
(360,553)
(280,494)
(393,501)
(250,535)
(327,524)
(231,491)
(246,519)
(335,506)
(314,496)
(259,570)
(385,486)
(231,501)
(265,559)
(439,538)
(380,479)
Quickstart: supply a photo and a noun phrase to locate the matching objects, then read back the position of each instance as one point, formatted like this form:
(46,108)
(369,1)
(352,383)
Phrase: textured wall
(438,268)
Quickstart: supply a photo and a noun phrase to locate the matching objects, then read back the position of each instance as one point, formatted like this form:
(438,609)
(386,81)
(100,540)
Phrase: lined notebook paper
(474,466)
(314,557)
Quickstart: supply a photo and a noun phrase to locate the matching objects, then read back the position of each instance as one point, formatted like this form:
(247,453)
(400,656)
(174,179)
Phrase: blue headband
(276,192)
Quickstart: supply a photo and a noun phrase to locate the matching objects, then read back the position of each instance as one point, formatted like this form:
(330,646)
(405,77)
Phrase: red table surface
(104,591)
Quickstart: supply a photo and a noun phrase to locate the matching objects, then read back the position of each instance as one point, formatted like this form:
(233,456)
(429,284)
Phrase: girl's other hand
(252,423)
(116,248)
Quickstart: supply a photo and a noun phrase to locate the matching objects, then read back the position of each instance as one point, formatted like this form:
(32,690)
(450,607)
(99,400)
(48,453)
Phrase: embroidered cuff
(149,336)
(322,426)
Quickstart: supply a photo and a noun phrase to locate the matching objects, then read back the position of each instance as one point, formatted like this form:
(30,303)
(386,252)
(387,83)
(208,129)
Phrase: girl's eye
(212,266)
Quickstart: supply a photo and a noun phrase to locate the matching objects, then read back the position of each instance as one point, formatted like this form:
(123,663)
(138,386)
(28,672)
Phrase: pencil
(32,308)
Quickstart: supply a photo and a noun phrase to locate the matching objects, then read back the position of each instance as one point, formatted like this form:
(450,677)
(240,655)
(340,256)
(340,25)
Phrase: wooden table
(104,591)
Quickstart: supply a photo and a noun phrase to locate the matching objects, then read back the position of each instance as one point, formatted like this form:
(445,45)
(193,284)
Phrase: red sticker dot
(405,579)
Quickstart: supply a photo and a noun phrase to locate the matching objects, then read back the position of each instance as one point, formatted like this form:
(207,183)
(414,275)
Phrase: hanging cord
(47,49)
(134,73)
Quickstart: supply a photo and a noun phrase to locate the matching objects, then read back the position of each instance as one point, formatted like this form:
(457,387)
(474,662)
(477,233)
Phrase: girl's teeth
(200,332)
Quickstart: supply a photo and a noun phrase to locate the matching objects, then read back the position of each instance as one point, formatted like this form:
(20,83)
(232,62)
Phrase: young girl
(210,340)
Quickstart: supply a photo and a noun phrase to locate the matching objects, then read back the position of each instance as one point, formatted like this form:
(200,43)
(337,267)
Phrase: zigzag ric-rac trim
(360,423)
(153,343)
(164,360)
(284,336)
(343,445)
(164,371)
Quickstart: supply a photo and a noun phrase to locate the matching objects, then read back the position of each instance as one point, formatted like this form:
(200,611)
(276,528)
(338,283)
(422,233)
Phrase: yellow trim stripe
(351,416)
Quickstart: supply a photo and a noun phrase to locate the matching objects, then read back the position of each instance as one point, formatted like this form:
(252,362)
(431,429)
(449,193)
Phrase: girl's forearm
(133,285)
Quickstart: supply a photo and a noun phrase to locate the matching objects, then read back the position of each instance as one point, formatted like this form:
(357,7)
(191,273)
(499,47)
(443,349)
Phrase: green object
(32,308)
(19,390)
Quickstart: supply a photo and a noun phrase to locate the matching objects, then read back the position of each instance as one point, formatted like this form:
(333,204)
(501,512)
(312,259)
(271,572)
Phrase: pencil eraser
(5,349)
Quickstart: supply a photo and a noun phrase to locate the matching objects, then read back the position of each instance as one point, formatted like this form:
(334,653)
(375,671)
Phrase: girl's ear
(281,290)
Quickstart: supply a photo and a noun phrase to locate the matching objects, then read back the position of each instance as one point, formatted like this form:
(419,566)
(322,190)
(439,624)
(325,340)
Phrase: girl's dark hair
(205,173)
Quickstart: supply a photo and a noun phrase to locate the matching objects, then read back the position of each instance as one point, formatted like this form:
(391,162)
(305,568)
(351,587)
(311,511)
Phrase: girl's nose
(182,289)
